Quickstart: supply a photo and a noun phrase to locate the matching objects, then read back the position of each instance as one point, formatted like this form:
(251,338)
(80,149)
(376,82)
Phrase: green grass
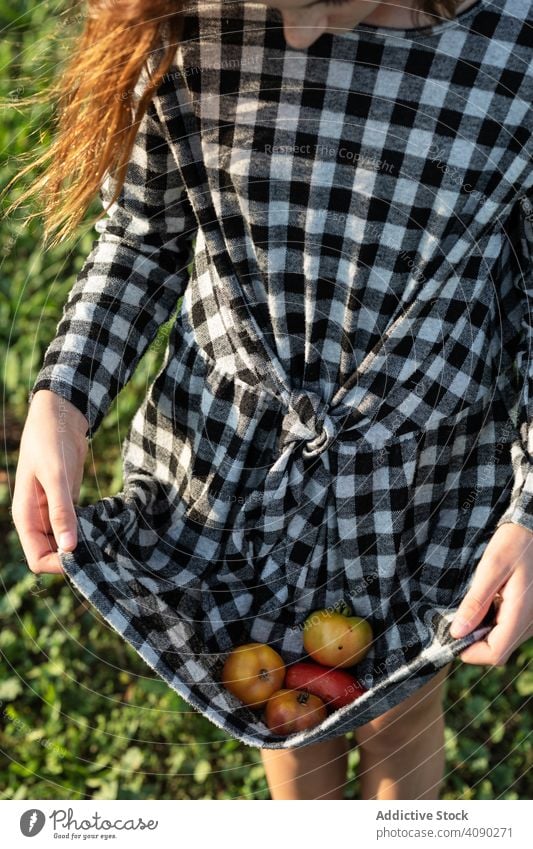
(81,715)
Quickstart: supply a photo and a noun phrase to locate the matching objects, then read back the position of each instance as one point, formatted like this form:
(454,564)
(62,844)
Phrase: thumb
(61,513)
(486,583)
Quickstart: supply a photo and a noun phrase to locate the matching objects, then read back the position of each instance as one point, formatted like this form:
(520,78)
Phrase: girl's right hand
(49,473)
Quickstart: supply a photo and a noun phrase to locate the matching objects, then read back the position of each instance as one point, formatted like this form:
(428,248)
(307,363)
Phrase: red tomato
(253,672)
(288,711)
(334,686)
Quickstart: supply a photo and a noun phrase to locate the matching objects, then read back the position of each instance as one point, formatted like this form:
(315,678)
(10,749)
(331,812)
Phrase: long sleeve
(129,284)
(520,509)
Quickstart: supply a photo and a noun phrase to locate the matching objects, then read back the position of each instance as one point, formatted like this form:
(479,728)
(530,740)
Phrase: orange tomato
(288,711)
(253,672)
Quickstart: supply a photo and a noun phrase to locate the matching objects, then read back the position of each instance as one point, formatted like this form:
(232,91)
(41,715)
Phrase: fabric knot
(307,420)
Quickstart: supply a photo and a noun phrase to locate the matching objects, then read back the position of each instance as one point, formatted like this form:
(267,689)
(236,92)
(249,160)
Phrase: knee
(387,733)
(418,715)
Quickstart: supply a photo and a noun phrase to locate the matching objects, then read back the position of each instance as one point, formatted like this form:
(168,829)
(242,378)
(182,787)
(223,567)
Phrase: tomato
(333,639)
(288,711)
(253,672)
(334,686)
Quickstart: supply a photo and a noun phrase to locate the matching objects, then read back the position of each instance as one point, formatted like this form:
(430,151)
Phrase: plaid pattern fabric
(343,413)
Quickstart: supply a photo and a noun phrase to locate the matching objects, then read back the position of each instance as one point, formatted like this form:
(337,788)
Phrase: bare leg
(402,751)
(317,771)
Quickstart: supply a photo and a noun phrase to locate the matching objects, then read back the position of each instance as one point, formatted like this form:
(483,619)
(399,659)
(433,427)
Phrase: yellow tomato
(335,640)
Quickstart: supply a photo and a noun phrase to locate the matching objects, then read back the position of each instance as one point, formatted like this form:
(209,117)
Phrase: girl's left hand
(506,570)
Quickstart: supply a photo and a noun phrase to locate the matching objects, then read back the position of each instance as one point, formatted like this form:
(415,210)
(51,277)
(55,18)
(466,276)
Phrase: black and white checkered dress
(344,411)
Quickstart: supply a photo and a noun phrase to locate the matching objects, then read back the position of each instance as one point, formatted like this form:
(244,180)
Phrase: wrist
(64,409)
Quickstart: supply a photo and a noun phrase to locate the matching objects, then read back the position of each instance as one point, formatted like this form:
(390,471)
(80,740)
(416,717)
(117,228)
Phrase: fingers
(514,621)
(492,651)
(499,643)
(48,479)
(35,526)
(39,553)
(61,512)
(490,575)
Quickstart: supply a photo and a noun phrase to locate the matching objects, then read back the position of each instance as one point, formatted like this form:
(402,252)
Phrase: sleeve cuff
(94,414)
(520,509)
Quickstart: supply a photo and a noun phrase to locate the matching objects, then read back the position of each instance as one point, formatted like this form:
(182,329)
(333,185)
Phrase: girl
(343,413)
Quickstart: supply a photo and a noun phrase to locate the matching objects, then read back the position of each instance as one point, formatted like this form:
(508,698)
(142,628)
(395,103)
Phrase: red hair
(97,116)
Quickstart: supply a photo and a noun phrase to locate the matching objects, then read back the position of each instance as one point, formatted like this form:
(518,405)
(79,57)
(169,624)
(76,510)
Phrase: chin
(344,24)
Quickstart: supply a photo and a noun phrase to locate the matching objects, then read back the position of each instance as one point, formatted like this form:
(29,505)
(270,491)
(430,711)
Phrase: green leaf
(486,791)
(497,733)
(10,689)
(132,759)
(108,790)
(152,685)
(176,759)
(8,12)
(524,684)
(201,771)
(11,370)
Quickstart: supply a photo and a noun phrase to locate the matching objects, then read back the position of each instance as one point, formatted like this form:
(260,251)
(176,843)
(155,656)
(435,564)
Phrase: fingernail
(66,541)
(459,627)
